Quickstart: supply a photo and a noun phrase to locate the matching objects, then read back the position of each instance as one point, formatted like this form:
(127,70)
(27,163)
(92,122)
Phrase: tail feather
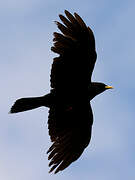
(25,104)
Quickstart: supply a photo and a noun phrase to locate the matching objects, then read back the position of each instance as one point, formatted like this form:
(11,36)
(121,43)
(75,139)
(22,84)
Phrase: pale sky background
(26,28)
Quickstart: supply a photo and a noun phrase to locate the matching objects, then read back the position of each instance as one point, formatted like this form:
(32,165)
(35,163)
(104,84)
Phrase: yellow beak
(108,87)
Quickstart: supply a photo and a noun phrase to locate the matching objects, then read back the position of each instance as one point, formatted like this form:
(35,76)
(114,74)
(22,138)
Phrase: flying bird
(70,115)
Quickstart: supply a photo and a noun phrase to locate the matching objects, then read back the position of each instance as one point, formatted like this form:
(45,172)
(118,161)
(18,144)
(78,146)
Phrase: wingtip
(65,11)
(60,15)
(75,14)
(49,171)
(53,169)
(56,171)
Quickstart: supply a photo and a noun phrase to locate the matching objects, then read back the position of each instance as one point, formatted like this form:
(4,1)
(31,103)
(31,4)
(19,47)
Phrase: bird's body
(70,115)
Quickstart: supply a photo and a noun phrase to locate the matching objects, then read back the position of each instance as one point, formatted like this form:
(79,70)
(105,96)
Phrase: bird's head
(96,88)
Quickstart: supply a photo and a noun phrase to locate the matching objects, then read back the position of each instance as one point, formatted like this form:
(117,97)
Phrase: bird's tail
(25,104)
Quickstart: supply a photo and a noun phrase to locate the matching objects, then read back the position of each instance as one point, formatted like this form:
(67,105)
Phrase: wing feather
(68,134)
(76,48)
(70,117)
(71,18)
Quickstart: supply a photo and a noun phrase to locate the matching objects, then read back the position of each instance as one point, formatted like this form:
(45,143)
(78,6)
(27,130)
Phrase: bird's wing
(76,48)
(70,132)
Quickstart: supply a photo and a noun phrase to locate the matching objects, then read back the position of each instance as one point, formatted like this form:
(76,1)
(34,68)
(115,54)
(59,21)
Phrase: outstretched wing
(70,132)
(70,116)
(76,48)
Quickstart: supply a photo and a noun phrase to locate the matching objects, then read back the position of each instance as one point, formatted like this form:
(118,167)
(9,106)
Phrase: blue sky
(26,37)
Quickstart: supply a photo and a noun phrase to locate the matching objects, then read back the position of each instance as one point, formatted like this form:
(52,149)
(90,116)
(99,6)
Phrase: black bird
(70,115)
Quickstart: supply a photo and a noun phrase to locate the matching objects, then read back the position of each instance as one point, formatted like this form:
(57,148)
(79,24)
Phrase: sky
(26,28)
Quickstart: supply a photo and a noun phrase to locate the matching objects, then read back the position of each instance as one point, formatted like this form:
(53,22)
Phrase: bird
(70,116)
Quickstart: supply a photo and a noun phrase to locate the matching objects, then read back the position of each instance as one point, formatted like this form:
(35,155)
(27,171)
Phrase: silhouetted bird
(70,114)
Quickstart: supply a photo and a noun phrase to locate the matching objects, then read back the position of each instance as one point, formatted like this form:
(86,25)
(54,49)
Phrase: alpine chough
(70,115)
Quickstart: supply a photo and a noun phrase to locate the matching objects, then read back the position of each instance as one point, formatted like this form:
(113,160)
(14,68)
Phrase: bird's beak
(108,87)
